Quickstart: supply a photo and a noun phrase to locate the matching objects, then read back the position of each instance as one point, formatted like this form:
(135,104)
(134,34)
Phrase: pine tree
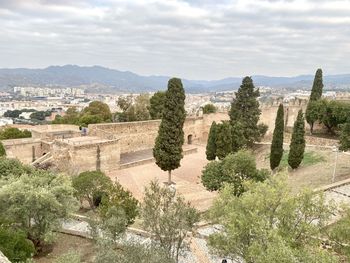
(297,145)
(245,109)
(316,94)
(168,146)
(223,139)
(211,144)
(277,139)
(344,141)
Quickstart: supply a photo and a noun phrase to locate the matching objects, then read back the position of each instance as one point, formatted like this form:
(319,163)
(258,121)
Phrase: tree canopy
(209,108)
(157,105)
(37,203)
(268,223)
(14,133)
(234,169)
(168,217)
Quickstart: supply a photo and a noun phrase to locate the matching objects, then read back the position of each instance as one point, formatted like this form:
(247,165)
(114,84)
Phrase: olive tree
(168,217)
(269,223)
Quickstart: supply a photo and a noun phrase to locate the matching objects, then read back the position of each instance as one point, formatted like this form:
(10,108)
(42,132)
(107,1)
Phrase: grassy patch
(310,158)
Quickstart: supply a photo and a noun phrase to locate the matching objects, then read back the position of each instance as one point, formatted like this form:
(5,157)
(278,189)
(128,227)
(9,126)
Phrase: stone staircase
(43,159)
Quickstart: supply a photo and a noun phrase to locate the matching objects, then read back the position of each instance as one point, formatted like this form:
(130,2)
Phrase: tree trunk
(169,177)
(311,128)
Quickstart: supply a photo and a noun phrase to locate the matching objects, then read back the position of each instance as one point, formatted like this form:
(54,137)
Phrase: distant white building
(5,121)
(26,115)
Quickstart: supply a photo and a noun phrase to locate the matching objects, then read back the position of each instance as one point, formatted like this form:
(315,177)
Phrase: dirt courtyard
(188,183)
(186,177)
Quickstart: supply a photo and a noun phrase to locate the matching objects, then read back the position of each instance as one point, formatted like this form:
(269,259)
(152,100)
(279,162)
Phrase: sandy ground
(187,177)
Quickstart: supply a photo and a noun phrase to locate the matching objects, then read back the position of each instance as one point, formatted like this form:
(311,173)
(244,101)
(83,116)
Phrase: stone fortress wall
(71,150)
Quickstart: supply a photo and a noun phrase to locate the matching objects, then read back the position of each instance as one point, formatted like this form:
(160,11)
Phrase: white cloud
(194,39)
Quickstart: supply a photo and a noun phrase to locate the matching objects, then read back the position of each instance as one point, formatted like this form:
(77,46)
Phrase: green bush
(116,196)
(13,168)
(14,133)
(15,245)
(90,186)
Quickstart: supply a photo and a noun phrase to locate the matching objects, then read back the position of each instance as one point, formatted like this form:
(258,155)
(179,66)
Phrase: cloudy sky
(197,39)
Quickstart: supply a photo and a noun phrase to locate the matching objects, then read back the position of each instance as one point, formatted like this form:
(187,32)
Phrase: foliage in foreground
(234,169)
(13,168)
(15,245)
(37,203)
(268,223)
(130,252)
(169,218)
(339,234)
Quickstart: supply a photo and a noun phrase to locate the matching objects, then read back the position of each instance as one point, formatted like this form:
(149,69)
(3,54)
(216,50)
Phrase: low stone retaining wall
(151,159)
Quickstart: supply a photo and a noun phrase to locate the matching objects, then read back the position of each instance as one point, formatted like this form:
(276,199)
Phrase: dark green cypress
(211,144)
(277,139)
(344,141)
(297,145)
(311,113)
(2,150)
(317,86)
(168,146)
(223,139)
(245,109)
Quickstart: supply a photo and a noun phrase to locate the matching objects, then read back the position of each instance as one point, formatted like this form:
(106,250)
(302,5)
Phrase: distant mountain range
(100,79)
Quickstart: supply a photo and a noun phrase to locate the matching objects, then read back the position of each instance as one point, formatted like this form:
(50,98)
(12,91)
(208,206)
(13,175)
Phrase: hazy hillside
(100,79)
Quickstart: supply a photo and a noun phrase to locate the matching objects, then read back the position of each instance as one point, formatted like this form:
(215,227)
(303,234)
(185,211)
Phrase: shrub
(90,185)
(15,245)
(14,133)
(117,197)
(13,168)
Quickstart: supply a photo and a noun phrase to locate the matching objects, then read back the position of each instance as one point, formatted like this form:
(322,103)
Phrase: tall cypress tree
(2,150)
(344,141)
(311,113)
(211,144)
(297,145)
(245,109)
(223,139)
(277,139)
(168,146)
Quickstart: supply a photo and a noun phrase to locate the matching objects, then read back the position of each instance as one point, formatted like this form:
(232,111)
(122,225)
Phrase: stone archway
(189,139)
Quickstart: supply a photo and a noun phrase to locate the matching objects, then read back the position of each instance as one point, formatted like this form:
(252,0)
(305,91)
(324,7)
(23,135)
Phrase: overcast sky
(195,39)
